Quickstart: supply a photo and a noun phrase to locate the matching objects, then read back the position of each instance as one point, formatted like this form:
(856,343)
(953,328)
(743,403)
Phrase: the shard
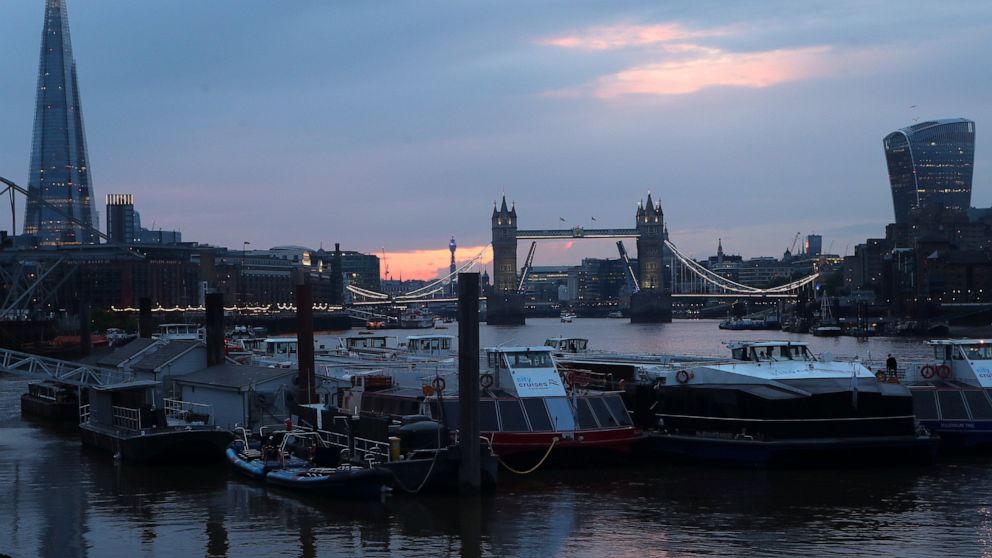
(59,172)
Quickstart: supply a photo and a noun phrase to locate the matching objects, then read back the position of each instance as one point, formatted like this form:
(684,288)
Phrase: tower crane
(795,239)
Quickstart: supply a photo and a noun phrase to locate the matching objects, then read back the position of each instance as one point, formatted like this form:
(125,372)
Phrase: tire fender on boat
(486,381)
(927,371)
(682,376)
(438,384)
(944,371)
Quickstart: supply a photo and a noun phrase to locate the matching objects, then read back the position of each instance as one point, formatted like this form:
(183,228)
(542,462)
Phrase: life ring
(944,371)
(880,375)
(486,381)
(927,372)
(438,384)
(682,376)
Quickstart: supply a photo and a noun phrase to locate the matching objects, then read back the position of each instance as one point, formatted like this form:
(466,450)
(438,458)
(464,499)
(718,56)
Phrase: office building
(60,209)
(930,166)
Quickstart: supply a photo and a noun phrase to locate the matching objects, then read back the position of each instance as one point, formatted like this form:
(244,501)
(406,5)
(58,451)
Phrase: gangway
(62,371)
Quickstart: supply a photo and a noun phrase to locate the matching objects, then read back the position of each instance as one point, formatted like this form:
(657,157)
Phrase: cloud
(611,37)
(708,67)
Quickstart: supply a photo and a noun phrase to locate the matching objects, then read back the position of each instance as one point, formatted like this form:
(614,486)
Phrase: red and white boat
(527,412)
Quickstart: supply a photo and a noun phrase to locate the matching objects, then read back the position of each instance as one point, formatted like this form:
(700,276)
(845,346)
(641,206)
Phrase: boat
(827,326)
(774,403)
(528,412)
(124,420)
(416,318)
(739,324)
(567,317)
(280,465)
(50,400)
(615,314)
(180,331)
(950,393)
(117,337)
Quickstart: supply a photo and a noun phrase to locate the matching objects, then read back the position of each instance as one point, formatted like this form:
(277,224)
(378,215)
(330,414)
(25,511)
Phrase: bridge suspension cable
(427,290)
(722,282)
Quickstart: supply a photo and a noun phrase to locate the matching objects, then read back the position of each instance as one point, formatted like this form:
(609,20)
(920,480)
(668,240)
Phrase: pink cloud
(611,37)
(713,67)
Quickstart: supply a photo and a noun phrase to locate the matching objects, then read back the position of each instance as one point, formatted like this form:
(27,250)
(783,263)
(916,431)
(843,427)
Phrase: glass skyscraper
(59,173)
(930,165)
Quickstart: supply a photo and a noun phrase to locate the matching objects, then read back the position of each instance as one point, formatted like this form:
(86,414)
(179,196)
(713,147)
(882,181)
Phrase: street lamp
(244,249)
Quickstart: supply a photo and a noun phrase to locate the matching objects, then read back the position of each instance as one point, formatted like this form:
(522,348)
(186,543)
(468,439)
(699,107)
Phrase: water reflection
(58,499)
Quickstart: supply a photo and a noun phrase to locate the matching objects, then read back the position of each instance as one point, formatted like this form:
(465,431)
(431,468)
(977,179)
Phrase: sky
(391,126)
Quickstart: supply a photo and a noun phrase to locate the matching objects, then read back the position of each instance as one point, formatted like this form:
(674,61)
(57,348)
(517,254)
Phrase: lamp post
(241,281)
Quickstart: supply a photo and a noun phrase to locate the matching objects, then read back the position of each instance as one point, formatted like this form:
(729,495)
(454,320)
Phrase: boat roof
(136,384)
(568,338)
(280,340)
(178,325)
(429,337)
(540,349)
(960,342)
(767,343)
(235,376)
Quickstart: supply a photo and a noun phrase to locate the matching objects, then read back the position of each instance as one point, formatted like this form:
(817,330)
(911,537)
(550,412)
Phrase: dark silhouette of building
(121,226)
(931,165)
(59,173)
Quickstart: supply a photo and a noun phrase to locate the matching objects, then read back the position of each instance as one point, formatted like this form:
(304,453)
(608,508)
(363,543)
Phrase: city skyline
(311,122)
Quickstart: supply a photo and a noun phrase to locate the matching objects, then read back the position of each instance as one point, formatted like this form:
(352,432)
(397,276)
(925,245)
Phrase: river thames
(59,500)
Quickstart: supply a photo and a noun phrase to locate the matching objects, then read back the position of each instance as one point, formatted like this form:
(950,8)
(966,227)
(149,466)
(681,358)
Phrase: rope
(554,441)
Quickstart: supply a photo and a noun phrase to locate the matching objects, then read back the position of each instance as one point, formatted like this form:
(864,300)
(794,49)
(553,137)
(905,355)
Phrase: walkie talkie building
(930,165)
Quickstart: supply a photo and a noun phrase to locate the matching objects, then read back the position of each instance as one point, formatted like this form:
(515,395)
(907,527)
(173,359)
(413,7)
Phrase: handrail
(127,418)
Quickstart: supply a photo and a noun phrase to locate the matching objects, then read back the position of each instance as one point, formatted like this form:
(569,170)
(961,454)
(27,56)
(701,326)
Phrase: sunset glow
(431,264)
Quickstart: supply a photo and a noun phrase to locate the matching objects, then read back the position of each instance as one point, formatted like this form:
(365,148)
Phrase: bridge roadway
(576,232)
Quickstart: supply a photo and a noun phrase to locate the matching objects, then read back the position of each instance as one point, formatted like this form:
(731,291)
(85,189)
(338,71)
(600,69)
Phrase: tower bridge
(650,301)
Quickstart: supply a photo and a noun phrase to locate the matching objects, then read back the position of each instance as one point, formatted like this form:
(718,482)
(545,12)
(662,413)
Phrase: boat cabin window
(942,352)
(618,409)
(512,416)
(739,353)
(586,419)
(538,414)
(602,413)
(978,352)
(433,344)
(488,420)
(529,360)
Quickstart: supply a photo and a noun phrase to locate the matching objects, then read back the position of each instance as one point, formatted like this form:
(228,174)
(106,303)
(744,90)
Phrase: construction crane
(795,239)
(527,266)
(630,271)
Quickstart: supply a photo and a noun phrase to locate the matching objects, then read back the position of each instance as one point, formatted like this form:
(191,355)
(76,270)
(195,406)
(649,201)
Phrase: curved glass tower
(930,165)
(59,172)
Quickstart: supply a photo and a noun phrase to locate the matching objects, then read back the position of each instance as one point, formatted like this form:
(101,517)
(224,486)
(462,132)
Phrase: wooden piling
(304,341)
(145,317)
(469,474)
(214,303)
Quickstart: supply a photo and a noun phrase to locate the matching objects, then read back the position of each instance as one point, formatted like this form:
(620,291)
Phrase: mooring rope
(554,441)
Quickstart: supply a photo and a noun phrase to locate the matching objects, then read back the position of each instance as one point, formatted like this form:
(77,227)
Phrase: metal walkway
(62,371)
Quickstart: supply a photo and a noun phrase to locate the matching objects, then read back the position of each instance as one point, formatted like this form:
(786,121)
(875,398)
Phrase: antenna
(385,262)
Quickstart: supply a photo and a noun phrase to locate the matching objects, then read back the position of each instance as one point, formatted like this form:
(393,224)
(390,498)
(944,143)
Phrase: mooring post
(469,474)
(145,317)
(214,303)
(85,340)
(304,340)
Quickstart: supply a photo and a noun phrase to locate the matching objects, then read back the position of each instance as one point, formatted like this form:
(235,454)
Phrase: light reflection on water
(57,499)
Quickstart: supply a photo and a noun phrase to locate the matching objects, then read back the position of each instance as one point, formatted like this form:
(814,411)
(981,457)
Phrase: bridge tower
(504,305)
(653,302)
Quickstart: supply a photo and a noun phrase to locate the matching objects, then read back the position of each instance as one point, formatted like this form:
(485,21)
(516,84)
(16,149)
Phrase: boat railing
(84,413)
(127,418)
(371,451)
(185,411)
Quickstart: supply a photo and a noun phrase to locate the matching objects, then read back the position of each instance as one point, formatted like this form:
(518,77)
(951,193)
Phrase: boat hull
(343,482)
(903,450)
(581,447)
(169,446)
(37,407)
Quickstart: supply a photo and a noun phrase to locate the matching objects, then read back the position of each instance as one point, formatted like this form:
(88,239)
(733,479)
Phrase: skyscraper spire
(59,172)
